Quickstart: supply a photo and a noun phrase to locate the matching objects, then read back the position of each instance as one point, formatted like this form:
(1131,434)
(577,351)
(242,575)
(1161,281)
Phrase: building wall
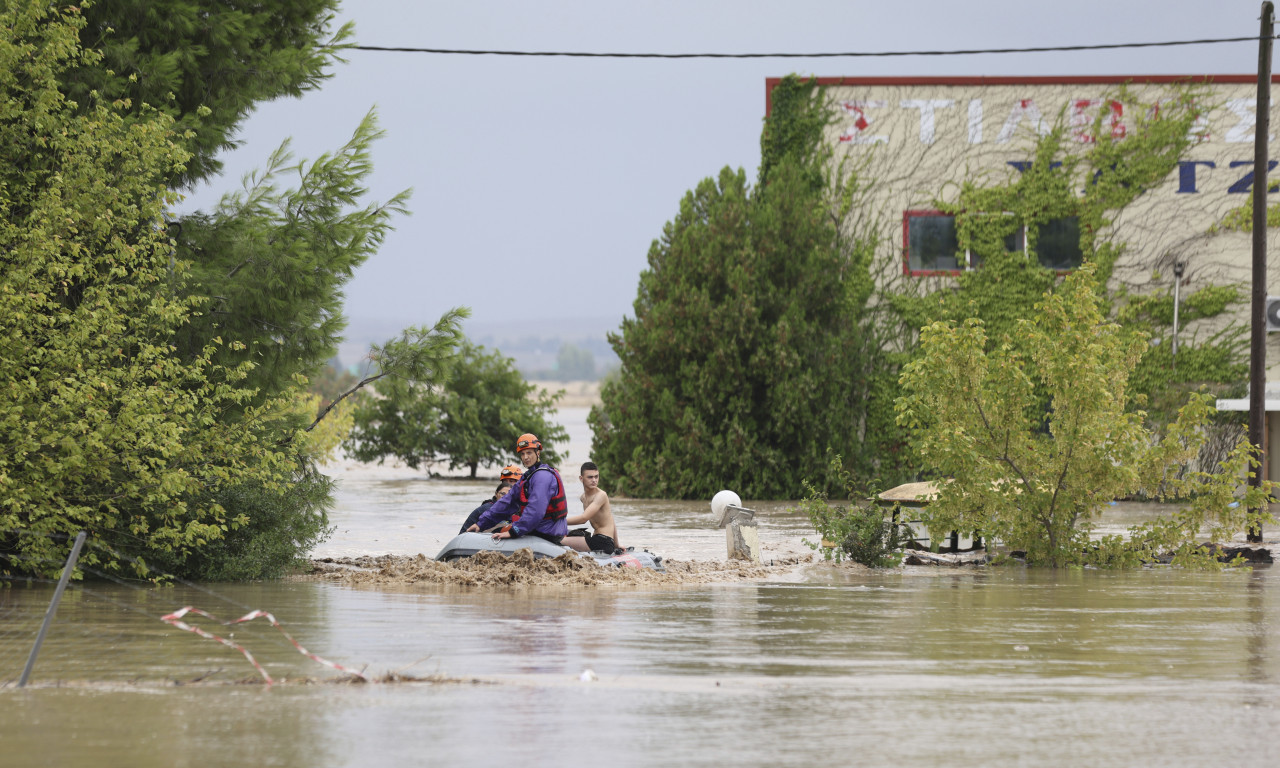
(915,140)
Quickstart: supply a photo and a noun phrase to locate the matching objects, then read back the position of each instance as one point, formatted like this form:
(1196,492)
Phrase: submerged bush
(859,532)
(283,526)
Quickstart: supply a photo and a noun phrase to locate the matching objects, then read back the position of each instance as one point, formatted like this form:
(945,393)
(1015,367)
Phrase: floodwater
(813,665)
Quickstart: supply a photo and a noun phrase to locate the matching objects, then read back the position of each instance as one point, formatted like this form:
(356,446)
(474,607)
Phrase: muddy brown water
(797,665)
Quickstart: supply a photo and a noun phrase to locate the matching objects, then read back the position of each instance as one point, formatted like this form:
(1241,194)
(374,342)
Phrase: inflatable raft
(468,544)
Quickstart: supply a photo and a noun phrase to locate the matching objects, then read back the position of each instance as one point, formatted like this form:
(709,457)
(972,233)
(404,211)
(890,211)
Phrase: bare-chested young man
(596,509)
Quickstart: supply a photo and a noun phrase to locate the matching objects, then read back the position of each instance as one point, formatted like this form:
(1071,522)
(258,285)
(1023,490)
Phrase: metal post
(53,606)
(1258,336)
(1178,269)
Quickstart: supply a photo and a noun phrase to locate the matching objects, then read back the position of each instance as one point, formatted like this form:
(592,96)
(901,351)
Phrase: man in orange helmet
(536,505)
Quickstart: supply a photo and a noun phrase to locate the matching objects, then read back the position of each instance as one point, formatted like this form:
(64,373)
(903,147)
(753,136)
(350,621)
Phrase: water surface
(914,667)
(923,667)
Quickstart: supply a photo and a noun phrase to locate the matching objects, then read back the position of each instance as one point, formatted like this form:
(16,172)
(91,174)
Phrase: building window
(930,243)
(1058,244)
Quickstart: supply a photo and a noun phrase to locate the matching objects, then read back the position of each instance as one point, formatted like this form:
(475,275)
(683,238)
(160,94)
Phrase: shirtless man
(596,509)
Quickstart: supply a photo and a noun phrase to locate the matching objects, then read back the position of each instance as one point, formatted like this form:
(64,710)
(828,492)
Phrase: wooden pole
(1258,335)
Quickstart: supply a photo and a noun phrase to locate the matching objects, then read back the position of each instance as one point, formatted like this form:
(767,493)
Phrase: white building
(919,138)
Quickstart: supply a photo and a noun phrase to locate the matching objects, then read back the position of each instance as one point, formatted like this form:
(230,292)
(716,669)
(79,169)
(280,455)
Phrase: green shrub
(856,531)
(283,525)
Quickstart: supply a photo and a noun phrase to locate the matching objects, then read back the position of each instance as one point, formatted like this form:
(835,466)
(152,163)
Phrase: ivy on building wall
(1088,182)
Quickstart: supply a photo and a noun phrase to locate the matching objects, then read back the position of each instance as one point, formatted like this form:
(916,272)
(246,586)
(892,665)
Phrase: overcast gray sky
(541,182)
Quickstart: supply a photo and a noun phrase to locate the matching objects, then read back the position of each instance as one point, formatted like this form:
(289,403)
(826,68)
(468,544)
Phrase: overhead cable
(846,54)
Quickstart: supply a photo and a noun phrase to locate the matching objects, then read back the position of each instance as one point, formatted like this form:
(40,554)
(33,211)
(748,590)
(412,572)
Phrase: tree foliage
(157,367)
(279,524)
(105,427)
(1036,483)
(470,417)
(854,529)
(331,381)
(205,64)
(274,261)
(744,361)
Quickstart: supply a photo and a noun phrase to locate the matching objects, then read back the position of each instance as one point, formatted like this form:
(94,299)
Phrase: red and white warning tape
(175,619)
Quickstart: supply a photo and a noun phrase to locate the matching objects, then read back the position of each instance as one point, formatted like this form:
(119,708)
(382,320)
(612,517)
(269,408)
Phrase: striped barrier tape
(175,619)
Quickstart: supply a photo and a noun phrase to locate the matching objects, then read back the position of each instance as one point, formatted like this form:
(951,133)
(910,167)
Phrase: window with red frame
(930,244)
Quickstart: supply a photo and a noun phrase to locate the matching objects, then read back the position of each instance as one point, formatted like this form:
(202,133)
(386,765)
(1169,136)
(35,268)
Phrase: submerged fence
(110,616)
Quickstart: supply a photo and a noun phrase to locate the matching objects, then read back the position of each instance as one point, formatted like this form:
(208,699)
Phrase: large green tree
(274,261)
(471,418)
(105,428)
(746,359)
(263,273)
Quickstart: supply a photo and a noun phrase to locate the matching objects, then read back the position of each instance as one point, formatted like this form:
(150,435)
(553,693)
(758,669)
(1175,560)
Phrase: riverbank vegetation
(1035,478)
(849,527)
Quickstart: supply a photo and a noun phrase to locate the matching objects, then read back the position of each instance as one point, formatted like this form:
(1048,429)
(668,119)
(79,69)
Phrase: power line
(846,54)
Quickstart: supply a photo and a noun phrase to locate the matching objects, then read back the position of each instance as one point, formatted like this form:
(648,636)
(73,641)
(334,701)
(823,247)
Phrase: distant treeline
(543,359)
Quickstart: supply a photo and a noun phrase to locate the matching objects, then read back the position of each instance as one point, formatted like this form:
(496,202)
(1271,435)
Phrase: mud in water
(522,570)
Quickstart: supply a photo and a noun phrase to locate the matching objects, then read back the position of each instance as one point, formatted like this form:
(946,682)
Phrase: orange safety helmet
(511,472)
(528,441)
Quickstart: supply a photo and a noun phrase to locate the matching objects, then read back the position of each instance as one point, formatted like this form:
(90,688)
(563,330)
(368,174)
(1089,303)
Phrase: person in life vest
(536,505)
(510,476)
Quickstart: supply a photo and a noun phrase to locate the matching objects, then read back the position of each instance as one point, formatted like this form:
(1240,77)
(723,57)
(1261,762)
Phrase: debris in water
(522,570)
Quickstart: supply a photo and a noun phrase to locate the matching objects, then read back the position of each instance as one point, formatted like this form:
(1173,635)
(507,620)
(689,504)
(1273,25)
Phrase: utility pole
(1258,335)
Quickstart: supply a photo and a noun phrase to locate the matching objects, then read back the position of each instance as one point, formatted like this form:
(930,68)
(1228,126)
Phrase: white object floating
(588,676)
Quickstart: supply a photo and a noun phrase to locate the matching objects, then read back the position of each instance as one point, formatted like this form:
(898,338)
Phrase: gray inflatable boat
(468,544)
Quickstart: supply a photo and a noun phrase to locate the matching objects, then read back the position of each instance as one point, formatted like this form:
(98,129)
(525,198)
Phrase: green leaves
(468,411)
(1035,480)
(858,530)
(203,64)
(105,427)
(274,261)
